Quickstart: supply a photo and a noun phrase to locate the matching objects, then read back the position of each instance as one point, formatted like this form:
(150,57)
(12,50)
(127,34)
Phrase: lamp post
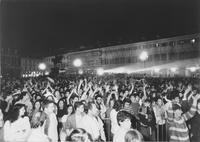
(143,57)
(42,67)
(78,63)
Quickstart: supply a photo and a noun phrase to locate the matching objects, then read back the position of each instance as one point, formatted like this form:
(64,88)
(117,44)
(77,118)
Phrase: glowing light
(193,41)
(42,66)
(46,73)
(157,70)
(100,71)
(174,69)
(143,56)
(80,71)
(77,62)
(192,69)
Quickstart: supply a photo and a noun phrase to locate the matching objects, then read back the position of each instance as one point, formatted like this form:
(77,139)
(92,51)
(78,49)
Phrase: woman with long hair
(17,126)
(37,133)
(69,111)
(37,106)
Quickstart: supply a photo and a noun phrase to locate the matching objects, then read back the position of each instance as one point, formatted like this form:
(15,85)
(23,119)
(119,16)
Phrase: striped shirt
(178,130)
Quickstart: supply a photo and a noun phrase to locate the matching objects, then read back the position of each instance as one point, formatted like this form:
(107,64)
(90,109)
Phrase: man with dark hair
(74,120)
(124,121)
(92,123)
(177,121)
(51,122)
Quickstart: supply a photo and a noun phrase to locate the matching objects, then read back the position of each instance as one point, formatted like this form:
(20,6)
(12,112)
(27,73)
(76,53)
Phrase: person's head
(137,98)
(50,98)
(177,111)
(79,135)
(124,119)
(98,99)
(132,98)
(38,97)
(37,105)
(74,99)
(147,103)
(92,109)
(111,103)
(175,96)
(126,92)
(61,104)
(79,107)
(49,106)
(133,136)
(117,105)
(159,102)
(17,112)
(38,119)
(70,109)
(127,103)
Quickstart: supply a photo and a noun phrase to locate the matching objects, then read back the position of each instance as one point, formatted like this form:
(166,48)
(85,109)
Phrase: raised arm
(188,115)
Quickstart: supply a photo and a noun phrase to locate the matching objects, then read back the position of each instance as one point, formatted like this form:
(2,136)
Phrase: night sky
(44,27)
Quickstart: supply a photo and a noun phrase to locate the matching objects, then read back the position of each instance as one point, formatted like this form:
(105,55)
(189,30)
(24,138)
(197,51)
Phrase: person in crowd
(74,120)
(134,105)
(79,135)
(113,116)
(17,126)
(1,123)
(60,113)
(147,121)
(124,122)
(160,115)
(50,126)
(69,111)
(133,136)
(178,130)
(126,105)
(37,133)
(25,99)
(95,127)
(100,106)
(37,106)
(195,125)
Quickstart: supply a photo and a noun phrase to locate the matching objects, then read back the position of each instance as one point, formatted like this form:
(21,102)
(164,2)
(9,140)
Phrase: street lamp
(77,63)
(100,71)
(143,57)
(42,67)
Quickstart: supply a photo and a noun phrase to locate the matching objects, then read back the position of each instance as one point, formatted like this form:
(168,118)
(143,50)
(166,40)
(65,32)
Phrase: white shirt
(78,120)
(93,126)
(37,135)
(114,124)
(64,118)
(119,136)
(18,130)
(52,130)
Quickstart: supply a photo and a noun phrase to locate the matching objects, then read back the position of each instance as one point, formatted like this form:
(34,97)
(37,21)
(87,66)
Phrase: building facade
(10,62)
(91,59)
(170,56)
(29,67)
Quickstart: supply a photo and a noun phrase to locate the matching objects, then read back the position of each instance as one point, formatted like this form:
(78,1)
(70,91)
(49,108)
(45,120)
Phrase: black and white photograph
(99,70)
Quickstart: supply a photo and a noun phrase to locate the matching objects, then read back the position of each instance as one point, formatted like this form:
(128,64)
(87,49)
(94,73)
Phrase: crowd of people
(90,108)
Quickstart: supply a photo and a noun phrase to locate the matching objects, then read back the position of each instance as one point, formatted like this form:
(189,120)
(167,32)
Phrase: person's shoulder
(26,118)
(71,117)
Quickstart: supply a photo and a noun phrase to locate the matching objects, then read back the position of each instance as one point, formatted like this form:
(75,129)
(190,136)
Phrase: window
(172,43)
